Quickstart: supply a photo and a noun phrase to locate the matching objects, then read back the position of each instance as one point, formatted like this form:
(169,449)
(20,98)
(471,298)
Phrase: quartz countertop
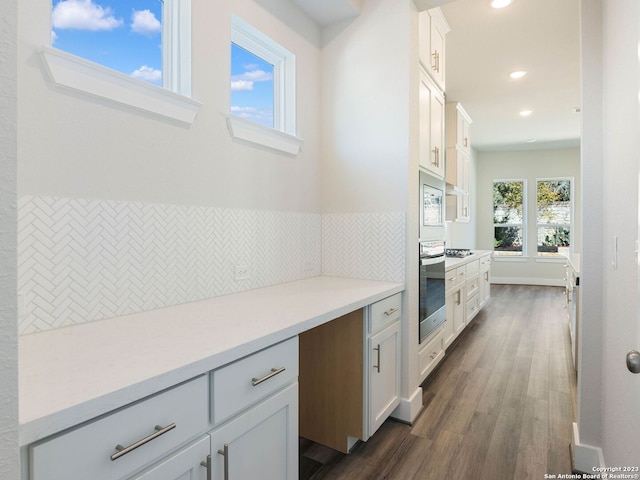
(453,262)
(73,374)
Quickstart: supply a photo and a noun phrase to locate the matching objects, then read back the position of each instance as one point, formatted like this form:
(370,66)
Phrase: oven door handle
(432,261)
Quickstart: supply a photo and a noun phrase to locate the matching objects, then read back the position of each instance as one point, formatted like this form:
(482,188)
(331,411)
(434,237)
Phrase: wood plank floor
(499,406)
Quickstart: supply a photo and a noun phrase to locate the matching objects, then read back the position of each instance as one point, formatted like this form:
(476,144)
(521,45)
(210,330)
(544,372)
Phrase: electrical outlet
(241,272)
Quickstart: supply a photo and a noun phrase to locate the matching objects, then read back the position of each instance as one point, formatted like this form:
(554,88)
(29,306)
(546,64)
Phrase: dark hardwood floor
(499,406)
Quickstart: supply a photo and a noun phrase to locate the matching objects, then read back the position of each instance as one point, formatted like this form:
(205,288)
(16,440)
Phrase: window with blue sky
(252,88)
(124,35)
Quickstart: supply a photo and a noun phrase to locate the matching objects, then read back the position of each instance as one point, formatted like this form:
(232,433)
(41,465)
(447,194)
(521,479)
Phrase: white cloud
(253,76)
(83,15)
(54,37)
(145,22)
(241,86)
(148,74)
(252,113)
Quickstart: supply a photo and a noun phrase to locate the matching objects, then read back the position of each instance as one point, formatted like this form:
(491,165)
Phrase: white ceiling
(485,45)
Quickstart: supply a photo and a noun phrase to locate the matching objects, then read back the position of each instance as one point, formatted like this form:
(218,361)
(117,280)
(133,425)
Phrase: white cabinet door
(184,465)
(431,126)
(260,443)
(384,375)
(437,53)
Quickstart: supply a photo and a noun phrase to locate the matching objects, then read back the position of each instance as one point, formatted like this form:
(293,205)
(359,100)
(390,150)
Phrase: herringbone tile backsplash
(83,260)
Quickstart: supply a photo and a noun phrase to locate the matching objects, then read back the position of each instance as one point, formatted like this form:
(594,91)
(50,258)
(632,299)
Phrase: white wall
(369,145)
(529,165)
(9,452)
(184,205)
(621,147)
(77,148)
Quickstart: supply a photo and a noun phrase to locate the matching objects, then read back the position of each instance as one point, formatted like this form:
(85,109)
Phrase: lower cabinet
(384,375)
(350,375)
(190,463)
(456,321)
(261,442)
(431,354)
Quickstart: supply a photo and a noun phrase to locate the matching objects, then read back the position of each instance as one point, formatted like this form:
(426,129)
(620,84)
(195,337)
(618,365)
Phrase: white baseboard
(409,408)
(584,458)
(548,282)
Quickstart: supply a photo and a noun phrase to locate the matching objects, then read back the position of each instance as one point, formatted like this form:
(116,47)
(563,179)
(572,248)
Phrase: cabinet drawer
(473,286)
(485,263)
(455,277)
(87,452)
(430,355)
(250,379)
(384,312)
(473,307)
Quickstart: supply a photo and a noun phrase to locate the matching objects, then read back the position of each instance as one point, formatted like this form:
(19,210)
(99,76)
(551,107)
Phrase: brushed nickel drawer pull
(207,465)
(377,349)
(391,311)
(274,371)
(225,454)
(124,450)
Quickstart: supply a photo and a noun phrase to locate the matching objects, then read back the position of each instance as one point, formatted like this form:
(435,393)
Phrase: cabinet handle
(434,64)
(124,450)
(466,142)
(486,276)
(377,349)
(274,371)
(225,454)
(391,311)
(459,292)
(207,465)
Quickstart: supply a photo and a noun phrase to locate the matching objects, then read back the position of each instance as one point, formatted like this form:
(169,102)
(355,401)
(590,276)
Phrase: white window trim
(83,76)
(283,136)
(558,256)
(524,255)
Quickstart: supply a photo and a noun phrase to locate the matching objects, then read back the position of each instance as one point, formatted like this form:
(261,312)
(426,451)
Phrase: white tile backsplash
(83,260)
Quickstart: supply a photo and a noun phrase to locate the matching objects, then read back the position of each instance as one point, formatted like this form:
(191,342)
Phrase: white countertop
(70,375)
(453,262)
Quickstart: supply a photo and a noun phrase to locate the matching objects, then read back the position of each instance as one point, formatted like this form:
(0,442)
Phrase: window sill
(509,258)
(75,73)
(550,259)
(251,132)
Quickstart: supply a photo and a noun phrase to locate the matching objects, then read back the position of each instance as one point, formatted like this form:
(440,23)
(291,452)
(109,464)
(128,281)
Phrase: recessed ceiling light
(501,3)
(526,113)
(531,140)
(518,74)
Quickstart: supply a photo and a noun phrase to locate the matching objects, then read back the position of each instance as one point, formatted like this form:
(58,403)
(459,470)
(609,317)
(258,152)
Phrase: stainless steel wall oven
(431,287)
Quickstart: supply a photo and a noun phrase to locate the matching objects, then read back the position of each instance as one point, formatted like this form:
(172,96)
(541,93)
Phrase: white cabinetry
(431,139)
(455,301)
(431,354)
(350,371)
(383,372)
(433,29)
(262,442)
(190,463)
(458,163)
(485,280)
(121,443)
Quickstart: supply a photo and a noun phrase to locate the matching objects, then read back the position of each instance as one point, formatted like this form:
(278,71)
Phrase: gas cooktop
(457,252)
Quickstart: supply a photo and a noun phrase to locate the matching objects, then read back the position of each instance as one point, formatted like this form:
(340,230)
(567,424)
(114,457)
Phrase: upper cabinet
(433,28)
(458,121)
(431,126)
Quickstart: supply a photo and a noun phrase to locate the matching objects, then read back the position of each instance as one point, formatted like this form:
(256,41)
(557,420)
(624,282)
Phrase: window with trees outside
(509,200)
(554,216)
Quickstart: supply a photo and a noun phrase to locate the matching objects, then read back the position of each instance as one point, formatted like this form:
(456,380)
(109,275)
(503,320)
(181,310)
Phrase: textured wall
(9,457)
(82,260)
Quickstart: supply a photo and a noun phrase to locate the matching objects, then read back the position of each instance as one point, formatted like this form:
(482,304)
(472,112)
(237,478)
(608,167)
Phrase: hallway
(499,407)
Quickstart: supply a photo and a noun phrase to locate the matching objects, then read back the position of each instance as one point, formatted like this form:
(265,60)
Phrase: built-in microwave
(431,207)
